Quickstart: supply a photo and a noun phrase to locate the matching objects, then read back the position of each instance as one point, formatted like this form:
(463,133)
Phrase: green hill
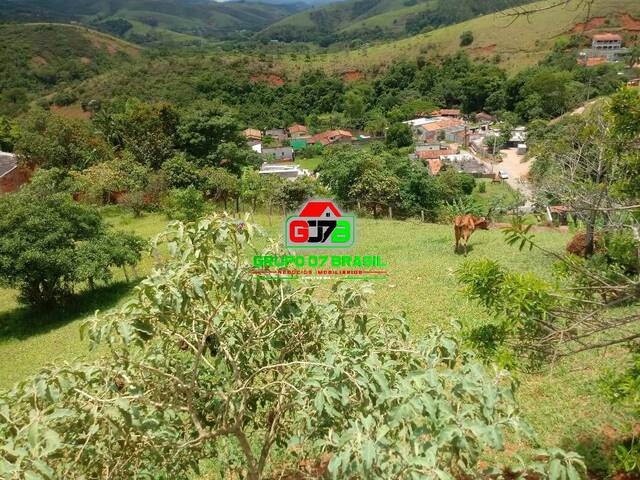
(511,43)
(153,21)
(375,19)
(35,59)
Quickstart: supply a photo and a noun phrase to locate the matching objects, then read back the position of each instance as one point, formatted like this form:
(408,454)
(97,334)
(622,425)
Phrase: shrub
(482,187)
(186,204)
(50,243)
(135,202)
(466,38)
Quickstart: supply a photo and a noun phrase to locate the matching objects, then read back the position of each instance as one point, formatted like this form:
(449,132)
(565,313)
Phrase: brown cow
(464,226)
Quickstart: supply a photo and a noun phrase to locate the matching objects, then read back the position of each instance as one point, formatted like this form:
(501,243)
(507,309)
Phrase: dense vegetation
(365,20)
(154,21)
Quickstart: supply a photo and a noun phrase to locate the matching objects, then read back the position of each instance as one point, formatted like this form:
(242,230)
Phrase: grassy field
(564,405)
(517,43)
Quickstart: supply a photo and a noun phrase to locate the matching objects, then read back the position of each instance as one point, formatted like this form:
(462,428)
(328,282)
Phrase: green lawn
(563,405)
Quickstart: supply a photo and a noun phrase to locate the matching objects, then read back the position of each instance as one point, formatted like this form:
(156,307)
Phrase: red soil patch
(39,60)
(595,22)
(488,50)
(270,78)
(71,111)
(629,23)
(85,60)
(352,76)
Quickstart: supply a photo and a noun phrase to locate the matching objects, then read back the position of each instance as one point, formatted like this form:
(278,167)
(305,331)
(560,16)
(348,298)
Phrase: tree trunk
(126,275)
(590,236)
(390,212)
(237,205)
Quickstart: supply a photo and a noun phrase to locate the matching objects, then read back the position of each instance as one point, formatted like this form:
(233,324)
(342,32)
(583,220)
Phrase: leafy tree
(455,185)
(48,140)
(181,172)
(187,204)
(206,130)
(219,184)
(147,130)
(466,38)
(49,243)
(100,181)
(9,134)
(398,136)
(376,188)
(209,359)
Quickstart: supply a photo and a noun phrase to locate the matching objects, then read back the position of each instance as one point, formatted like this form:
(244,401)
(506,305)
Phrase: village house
(605,48)
(484,117)
(288,172)
(331,137)
(278,134)
(12,175)
(252,134)
(447,112)
(278,154)
(606,41)
(298,131)
(518,137)
(434,129)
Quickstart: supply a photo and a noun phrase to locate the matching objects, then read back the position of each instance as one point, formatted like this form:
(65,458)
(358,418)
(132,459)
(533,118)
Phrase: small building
(12,175)
(634,82)
(484,117)
(522,149)
(252,134)
(298,131)
(427,147)
(433,154)
(332,136)
(518,136)
(447,112)
(278,134)
(278,154)
(288,172)
(606,41)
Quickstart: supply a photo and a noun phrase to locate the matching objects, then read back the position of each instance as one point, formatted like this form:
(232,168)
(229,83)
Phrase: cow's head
(481,223)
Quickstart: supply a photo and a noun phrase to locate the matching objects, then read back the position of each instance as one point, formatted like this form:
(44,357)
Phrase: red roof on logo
(316,209)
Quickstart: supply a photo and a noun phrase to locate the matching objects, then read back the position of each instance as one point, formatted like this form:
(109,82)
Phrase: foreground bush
(210,361)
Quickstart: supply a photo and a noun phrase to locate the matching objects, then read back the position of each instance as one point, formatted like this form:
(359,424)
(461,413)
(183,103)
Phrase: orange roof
(433,154)
(330,136)
(446,112)
(593,61)
(607,37)
(435,165)
(298,129)
(442,124)
(252,133)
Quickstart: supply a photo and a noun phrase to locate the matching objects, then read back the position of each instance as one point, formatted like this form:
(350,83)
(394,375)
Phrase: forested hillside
(154,21)
(35,59)
(364,20)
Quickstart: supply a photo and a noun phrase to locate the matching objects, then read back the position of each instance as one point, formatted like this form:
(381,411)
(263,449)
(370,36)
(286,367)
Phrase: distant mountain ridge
(375,19)
(147,21)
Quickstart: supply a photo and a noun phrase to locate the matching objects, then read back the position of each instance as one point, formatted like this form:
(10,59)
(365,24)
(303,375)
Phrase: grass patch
(564,405)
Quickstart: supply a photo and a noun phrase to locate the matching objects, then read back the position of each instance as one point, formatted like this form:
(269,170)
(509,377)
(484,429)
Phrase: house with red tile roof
(446,112)
(298,131)
(332,136)
(12,174)
(252,134)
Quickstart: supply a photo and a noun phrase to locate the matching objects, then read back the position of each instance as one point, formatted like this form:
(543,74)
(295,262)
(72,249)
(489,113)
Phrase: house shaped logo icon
(320,224)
